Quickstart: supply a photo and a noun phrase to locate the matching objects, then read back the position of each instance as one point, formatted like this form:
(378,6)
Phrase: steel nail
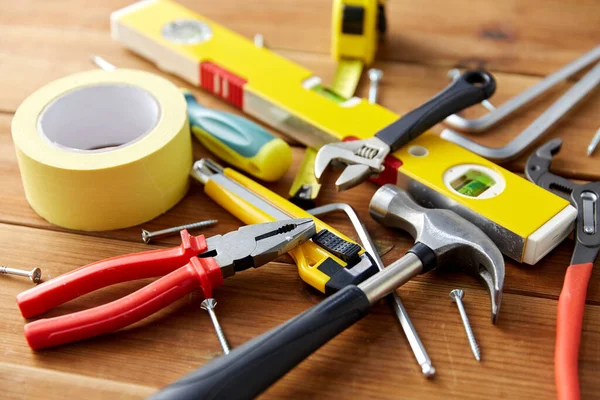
(209,305)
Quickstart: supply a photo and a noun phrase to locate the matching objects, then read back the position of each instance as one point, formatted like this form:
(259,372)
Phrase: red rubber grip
(148,264)
(569,320)
(204,273)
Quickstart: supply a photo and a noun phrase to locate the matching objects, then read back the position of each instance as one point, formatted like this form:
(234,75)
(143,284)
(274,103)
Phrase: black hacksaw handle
(251,368)
(470,88)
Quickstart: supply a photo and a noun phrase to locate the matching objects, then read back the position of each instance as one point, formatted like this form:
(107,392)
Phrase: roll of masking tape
(103,150)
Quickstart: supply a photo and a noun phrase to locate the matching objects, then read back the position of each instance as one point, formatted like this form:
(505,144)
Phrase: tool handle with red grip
(204,273)
(569,321)
(108,272)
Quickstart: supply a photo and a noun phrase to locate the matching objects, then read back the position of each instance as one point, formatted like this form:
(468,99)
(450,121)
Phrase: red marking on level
(222,83)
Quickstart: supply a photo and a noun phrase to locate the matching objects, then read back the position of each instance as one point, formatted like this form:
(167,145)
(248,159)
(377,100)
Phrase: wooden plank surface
(519,42)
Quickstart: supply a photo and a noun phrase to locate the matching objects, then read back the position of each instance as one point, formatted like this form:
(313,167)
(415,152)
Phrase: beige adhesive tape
(103,150)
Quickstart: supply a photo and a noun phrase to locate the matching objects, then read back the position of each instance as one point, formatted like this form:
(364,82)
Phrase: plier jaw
(255,245)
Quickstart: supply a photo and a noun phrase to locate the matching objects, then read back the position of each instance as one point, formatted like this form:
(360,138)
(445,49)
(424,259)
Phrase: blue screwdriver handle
(239,141)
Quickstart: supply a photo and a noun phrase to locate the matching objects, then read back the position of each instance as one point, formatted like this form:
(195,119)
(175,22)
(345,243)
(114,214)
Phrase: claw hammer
(442,238)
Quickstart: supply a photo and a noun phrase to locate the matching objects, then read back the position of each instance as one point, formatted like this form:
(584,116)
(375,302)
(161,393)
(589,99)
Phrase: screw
(148,236)
(209,305)
(375,76)
(456,295)
(35,274)
(259,40)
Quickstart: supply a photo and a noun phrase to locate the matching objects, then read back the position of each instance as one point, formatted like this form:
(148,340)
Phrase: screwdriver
(235,139)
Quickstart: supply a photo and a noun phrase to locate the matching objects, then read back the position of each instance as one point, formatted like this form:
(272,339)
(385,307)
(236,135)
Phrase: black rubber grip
(470,88)
(251,368)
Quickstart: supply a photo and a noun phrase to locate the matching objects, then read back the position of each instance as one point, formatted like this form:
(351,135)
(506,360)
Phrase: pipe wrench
(571,302)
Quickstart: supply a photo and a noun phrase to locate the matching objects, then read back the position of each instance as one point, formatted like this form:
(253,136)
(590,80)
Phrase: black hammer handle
(250,369)
(471,88)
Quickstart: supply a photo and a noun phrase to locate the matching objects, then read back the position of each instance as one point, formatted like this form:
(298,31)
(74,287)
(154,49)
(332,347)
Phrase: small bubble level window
(472,183)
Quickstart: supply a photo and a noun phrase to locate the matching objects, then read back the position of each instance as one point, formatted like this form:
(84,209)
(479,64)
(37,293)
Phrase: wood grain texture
(175,341)
(533,37)
(518,41)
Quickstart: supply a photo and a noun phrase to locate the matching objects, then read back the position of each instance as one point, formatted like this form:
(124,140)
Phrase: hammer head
(453,239)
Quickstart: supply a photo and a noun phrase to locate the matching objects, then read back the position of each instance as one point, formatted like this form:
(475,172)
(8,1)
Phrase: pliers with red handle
(199,263)
(571,302)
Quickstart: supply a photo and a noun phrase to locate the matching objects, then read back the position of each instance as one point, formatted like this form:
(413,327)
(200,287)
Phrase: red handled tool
(571,302)
(199,263)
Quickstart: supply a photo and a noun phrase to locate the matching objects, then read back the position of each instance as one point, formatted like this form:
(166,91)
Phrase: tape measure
(103,150)
(356,26)
(305,187)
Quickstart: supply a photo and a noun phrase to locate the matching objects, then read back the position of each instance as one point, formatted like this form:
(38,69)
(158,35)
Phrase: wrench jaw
(537,171)
(362,159)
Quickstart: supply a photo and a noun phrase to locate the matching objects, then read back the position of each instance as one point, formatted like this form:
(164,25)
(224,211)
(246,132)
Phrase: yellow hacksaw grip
(524,220)
(328,262)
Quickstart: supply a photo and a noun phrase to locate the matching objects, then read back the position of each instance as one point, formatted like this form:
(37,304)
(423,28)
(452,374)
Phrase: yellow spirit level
(524,220)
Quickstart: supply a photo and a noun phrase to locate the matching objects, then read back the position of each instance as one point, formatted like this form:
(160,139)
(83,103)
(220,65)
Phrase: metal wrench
(539,127)
(498,114)
(365,158)
(411,333)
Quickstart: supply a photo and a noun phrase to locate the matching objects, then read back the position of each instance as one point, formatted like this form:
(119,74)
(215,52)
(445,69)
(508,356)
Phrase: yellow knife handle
(308,256)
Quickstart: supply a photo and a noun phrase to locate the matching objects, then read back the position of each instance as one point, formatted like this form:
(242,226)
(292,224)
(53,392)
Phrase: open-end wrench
(571,302)
(364,158)
(395,301)
(442,238)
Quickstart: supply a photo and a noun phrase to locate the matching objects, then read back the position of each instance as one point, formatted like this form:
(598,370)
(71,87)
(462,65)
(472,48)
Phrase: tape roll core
(103,150)
(99,117)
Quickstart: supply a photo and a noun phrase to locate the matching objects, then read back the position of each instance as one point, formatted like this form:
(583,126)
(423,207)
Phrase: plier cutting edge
(198,263)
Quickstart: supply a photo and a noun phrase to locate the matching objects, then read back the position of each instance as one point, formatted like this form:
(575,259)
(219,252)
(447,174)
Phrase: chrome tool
(442,238)
(571,302)
(411,333)
(539,127)
(500,113)
(457,295)
(365,158)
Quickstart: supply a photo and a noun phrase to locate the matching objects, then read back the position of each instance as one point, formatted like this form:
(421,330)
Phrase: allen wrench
(500,113)
(414,340)
(538,128)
